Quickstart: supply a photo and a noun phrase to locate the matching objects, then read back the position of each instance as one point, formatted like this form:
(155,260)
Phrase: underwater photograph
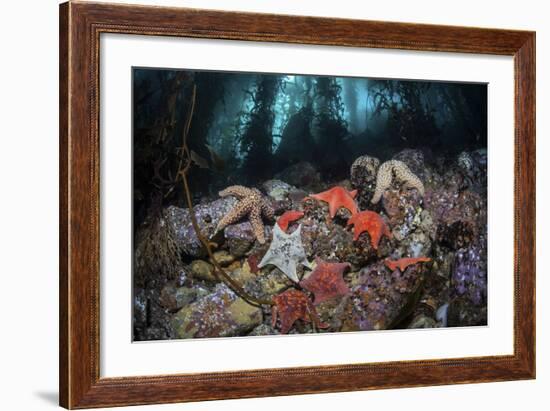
(274,204)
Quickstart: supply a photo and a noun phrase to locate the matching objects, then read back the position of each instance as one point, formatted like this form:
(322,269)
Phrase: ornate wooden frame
(80,27)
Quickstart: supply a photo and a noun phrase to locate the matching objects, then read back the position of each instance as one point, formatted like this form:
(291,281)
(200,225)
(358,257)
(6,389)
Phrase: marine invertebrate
(292,305)
(402,173)
(371,222)
(326,281)
(285,252)
(252,204)
(288,217)
(403,263)
(338,197)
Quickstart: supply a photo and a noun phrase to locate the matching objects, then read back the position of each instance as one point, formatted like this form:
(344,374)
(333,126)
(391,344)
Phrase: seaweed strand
(182,171)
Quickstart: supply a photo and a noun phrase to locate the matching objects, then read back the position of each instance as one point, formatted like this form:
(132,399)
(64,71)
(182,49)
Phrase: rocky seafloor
(178,295)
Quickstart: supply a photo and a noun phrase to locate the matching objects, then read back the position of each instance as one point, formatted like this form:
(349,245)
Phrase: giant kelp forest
(313,155)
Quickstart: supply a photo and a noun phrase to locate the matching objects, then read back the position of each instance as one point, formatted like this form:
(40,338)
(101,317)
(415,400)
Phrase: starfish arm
(404,174)
(290,271)
(236,191)
(314,316)
(286,325)
(257,224)
(375,239)
(383,181)
(333,209)
(356,233)
(352,207)
(390,264)
(304,261)
(239,211)
(267,210)
(268,258)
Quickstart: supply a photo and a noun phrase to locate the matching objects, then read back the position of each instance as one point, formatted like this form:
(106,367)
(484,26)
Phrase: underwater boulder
(151,319)
(263,329)
(279,195)
(173,298)
(473,167)
(422,321)
(331,240)
(468,288)
(207,215)
(267,283)
(240,238)
(450,204)
(383,299)
(201,270)
(219,314)
(469,276)
(302,175)
(461,313)
(277,189)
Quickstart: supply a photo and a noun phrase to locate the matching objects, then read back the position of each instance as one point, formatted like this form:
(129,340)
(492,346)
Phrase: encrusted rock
(223,258)
(208,216)
(240,238)
(268,283)
(382,299)
(201,270)
(219,314)
(461,313)
(263,329)
(469,276)
(277,189)
(301,174)
(174,298)
(151,319)
(422,321)
(333,242)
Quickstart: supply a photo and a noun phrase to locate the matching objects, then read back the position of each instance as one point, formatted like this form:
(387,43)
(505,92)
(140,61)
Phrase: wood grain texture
(80,27)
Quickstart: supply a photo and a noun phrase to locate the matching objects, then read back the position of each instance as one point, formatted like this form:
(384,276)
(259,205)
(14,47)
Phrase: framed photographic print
(256,205)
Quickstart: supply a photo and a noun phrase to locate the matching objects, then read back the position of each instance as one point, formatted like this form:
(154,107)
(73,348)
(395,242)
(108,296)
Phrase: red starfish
(403,263)
(326,281)
(371,222)
(338,197)
(288,217)
(293,305)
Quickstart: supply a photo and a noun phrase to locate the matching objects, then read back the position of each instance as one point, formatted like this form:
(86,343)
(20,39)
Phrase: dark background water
(247,127)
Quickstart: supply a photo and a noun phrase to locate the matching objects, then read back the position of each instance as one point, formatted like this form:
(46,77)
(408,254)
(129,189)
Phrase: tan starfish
(402,174)
(252,204)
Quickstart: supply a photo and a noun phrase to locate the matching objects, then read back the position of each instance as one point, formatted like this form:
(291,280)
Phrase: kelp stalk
(183,170)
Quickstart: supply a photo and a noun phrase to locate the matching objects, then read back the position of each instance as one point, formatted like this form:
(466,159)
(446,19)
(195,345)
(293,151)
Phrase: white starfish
(286,252)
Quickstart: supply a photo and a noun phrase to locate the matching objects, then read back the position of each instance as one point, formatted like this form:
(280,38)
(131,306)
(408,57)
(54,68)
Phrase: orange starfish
(371,222)
(288,217)
(293,305)
(338,197)
(403,263)
(326,281)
